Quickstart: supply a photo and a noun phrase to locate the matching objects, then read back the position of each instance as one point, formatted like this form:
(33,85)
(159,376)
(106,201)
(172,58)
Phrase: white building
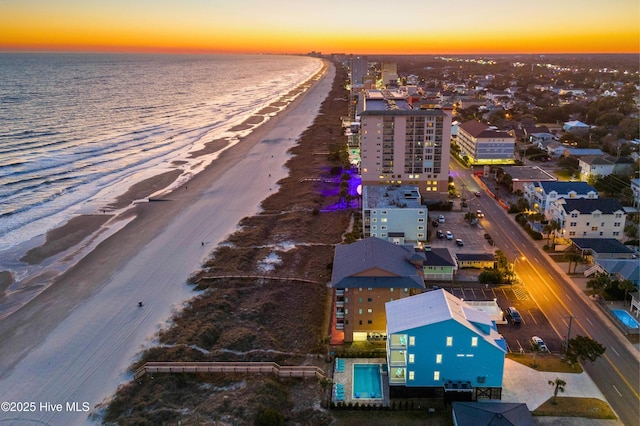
(404,144)
(482,144)
(589,218)
(635,187)
(541,195)
(394,213)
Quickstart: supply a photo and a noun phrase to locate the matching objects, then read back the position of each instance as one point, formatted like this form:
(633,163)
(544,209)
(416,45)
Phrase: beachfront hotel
(404,141)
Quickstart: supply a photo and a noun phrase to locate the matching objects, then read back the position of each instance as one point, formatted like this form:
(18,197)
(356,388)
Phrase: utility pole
(566,341)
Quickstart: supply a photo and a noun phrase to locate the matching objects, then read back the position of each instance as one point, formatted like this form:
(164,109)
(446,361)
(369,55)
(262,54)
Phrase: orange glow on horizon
(286,27)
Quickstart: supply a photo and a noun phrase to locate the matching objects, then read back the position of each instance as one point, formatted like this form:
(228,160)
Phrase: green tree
(536,349)
(572,257)
(599,283)
(583,348)
(558,386)
(551,228)
(626,286)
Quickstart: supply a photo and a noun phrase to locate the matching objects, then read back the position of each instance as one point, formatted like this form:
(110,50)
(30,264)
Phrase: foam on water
(78,130)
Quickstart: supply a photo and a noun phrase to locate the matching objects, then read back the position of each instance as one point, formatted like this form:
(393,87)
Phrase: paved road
(617,372)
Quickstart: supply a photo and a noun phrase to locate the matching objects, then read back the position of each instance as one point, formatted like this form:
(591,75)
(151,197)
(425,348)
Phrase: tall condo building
(405,143)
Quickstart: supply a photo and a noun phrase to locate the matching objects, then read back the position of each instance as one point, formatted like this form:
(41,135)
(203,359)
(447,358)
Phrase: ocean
(77,130)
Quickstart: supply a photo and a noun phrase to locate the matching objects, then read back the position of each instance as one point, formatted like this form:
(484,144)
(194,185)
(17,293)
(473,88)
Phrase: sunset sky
(299,26)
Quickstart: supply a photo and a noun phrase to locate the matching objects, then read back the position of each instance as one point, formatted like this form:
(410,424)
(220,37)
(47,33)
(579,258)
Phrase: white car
(449,235)
(441,219)
(479,213)
(540,343)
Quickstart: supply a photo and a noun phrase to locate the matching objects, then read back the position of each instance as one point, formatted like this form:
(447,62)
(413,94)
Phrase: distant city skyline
(330,26)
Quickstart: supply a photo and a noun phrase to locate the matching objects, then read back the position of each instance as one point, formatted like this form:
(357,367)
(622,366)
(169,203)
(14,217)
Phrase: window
(369,322)
(369,311)
(436,376)
(412,340)
(594,228)
(359,311)
(369,299)
(616,224)
(360,322)
(411,375)
(474,341)
(449,341)
(439,359)
(573,224)
(412,358)
(359,299)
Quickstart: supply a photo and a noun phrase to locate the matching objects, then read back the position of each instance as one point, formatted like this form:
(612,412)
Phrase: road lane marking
(589,321)
(545,296)
(569,298)
(616,389)
(614,350)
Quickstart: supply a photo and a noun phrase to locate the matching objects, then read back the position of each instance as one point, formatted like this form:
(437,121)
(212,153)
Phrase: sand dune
(74,342)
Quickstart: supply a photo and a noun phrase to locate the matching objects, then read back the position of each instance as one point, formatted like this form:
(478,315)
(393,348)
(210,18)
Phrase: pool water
(367,382)
(626,318)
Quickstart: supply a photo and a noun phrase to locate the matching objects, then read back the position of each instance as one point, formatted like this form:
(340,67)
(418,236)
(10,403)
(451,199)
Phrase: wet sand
(75,340)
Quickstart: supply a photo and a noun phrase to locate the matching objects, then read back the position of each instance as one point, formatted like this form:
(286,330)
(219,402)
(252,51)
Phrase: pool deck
(345,378)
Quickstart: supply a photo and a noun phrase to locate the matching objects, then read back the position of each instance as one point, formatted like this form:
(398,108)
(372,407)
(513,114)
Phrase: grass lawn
(591,408)
(546,362)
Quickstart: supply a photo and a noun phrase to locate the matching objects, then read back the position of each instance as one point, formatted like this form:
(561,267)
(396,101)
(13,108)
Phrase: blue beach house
(440,347)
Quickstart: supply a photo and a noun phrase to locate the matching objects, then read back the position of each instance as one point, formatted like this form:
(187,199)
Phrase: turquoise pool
(367,382)
(626,318)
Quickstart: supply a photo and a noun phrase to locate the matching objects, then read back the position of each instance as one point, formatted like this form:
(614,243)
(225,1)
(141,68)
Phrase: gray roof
(437,256)
(437,306)
(491,413)
(566,187)
(374,262)
(589,205)
(628,269)
(601,245)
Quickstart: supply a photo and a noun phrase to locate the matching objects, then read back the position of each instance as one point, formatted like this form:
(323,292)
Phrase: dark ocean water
(76,130)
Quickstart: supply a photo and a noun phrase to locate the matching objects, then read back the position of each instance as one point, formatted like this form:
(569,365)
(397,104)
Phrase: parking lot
(534,323)
(472,236)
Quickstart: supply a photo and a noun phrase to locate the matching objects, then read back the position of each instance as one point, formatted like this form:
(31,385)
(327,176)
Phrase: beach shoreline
(49,256)
(103,276)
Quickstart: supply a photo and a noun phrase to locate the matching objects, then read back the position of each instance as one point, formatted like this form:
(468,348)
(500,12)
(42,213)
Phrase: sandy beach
(75,340)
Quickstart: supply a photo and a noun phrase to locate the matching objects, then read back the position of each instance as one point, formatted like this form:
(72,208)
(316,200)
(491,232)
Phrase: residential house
(491,413)
(555,149)
(601,165)
(483,144)
(476,260)
(394,212)
(619,269)
(521,175)
(436,262)
(602,248)
(366,275)
(541,195)
(539,137)
(440,347)
(576,127)
(589,218)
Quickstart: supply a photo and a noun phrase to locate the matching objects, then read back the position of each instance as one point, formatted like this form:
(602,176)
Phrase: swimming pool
(367,382)
(626,318)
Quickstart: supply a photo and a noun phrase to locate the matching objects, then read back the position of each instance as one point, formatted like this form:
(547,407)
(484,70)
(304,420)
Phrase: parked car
(487,237)
(540,343)
(513,315)
(459,242)
(479,213)
(434,223)
(441,219)
(449,235)
(440,234)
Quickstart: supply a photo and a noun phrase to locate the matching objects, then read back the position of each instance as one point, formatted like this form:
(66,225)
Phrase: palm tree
(571,257)
(558,385)
(535,348)
(627,286)
(599,283)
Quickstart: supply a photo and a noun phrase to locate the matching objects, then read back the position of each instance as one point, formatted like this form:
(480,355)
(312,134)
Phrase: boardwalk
(231,367)
(255,277)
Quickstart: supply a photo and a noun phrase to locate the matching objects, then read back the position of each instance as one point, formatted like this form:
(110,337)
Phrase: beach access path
(73,343)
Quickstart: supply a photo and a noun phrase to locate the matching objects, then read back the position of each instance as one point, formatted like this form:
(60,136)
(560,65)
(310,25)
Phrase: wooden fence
(231,367)
(255,277)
